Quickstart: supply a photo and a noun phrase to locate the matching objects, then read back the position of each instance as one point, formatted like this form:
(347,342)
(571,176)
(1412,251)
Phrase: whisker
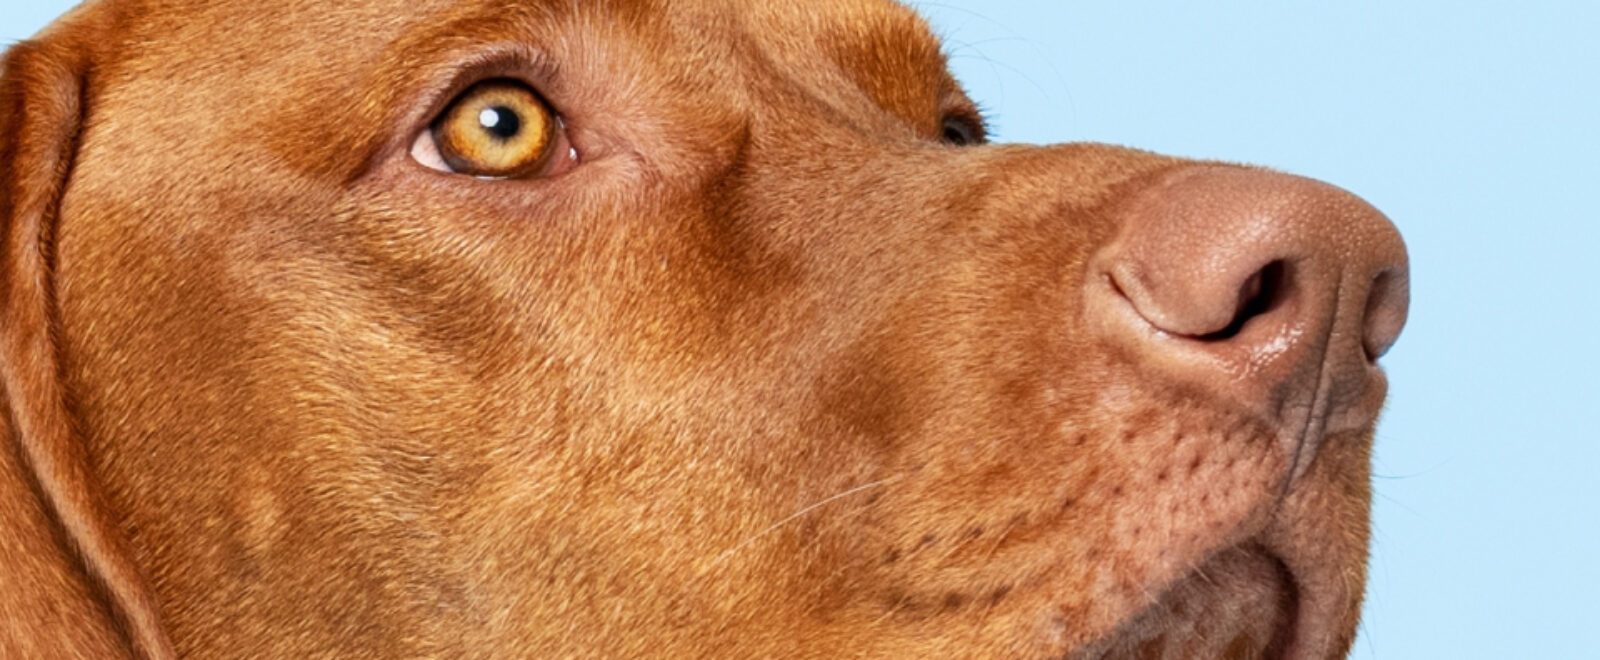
(793,517)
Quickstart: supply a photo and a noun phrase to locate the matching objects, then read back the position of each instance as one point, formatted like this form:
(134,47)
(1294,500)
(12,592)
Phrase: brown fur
(771,373)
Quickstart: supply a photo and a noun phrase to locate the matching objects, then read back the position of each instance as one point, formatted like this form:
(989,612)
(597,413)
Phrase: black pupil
(501,122)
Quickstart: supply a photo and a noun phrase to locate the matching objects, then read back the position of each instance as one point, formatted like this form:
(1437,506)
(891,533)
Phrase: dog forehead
(883,48)
(280,72)
(846,29)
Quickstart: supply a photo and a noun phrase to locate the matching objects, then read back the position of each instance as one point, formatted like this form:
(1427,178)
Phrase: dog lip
(1306,633)
(1297,635)
(1322,591)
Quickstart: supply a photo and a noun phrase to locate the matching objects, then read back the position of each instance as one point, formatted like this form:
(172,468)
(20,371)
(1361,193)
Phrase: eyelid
(446,77)
(980,127)
(510,61)
(959,107)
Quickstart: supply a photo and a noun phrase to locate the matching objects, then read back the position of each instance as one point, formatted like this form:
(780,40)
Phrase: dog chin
(1243,602)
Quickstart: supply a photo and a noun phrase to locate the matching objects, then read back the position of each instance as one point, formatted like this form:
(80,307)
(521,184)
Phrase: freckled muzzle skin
(771,373)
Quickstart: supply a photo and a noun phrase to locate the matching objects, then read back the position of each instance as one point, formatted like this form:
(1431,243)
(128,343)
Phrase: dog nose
(1277,291)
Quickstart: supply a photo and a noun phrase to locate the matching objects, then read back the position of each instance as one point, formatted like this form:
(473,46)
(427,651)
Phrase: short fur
(771,373)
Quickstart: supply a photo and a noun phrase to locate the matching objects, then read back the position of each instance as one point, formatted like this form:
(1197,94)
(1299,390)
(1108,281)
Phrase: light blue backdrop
(1474,126)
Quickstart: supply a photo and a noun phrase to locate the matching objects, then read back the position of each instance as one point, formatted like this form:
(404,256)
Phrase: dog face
(663,328)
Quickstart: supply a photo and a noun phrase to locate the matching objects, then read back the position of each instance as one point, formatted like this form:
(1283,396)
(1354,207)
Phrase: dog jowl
(659,328)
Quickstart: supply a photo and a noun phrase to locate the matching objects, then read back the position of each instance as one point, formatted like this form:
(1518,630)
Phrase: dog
(652,329)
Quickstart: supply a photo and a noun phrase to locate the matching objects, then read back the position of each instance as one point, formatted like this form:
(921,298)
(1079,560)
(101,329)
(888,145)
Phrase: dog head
(646,328)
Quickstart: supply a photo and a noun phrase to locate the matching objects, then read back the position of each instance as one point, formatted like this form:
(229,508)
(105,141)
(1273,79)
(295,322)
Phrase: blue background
(1474,126)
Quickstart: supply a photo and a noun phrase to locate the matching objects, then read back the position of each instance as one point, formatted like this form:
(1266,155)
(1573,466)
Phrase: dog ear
(68,584)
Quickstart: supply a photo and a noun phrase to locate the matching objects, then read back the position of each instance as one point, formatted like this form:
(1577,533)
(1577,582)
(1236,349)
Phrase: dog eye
(961,131)
(497,129)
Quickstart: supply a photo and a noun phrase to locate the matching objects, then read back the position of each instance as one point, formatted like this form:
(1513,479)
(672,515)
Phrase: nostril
(1387,303)
(1260,293)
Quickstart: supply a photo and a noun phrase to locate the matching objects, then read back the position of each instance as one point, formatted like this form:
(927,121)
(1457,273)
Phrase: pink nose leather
(1275,291)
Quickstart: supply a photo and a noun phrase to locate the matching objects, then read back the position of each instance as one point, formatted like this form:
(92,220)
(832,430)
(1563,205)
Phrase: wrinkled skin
(772,372)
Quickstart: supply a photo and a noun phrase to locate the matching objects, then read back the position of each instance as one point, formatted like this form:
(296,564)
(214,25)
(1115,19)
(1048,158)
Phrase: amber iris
(498,129)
